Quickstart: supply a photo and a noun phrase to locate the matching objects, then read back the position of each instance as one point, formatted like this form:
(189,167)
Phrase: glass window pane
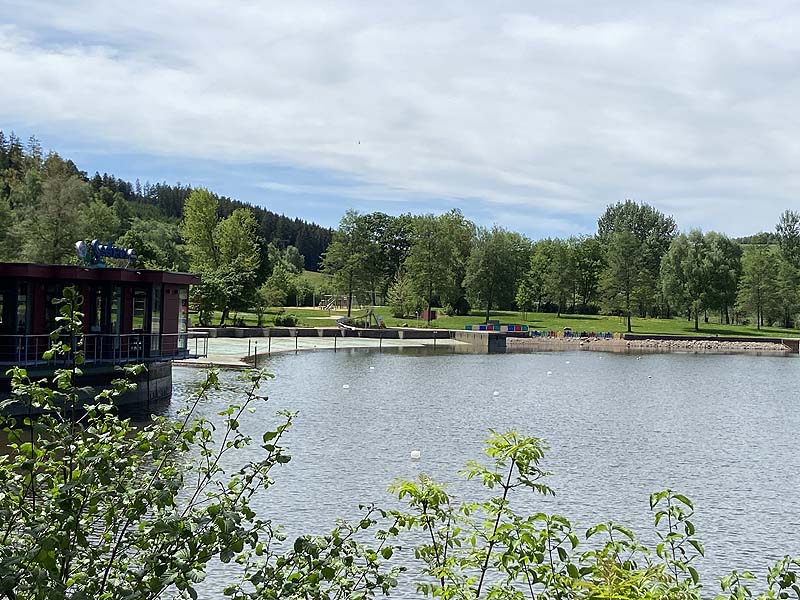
(22,309)
(183,318)
(155,321)
(139,309)
(116,315)
(96,325)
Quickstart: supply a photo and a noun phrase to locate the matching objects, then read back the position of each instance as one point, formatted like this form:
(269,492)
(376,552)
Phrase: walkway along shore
(237,347)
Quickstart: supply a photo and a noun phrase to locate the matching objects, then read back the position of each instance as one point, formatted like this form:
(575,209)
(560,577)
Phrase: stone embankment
(646,344)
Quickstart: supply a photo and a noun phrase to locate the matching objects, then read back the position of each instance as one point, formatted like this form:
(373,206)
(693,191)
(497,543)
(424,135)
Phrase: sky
(533,116)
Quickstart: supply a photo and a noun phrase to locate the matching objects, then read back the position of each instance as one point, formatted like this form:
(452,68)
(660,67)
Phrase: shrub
(286,320)
(92,506)
(458,308)
(403,301)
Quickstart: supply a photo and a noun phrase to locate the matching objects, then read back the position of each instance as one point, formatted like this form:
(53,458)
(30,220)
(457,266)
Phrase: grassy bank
(314,317)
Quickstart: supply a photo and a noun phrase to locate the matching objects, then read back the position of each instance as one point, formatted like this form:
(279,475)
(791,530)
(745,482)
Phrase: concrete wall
(394,333)
(482,342)
(152,387)
(700,338)
(792,344)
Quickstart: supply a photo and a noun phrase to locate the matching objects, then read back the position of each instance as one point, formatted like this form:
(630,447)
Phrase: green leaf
(573,571)
(695,576)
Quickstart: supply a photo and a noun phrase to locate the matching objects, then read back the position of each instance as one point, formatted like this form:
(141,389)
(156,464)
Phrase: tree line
(47,204)
(636,264)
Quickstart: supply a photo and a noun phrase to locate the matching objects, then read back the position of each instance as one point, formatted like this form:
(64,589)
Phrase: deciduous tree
(686,274)
(758,292)
(788,233)
(496,264)
(624,279)
(725,267)
(239,254)
(532,285)
(347,256)
(654,232)
(200,221)
(560,273)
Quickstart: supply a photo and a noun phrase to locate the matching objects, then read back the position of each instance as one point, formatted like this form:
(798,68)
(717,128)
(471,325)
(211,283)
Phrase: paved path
(231,352)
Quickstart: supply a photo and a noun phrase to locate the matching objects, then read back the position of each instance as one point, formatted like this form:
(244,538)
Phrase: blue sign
(93,253)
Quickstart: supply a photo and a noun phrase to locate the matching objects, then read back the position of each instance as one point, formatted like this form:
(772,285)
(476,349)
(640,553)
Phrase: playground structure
(333,302)
(369,320)
(339,301)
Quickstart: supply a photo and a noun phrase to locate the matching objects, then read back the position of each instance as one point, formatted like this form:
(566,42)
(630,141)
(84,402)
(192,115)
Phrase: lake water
(722,429)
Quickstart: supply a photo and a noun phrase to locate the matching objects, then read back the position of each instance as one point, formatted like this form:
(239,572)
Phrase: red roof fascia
(82,274)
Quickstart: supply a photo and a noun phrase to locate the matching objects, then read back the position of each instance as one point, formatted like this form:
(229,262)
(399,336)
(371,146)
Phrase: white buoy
(416,455)
(495,393)
(345,387)
(549,372)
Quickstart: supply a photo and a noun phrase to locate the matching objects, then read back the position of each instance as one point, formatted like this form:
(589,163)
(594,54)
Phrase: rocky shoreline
(645,345)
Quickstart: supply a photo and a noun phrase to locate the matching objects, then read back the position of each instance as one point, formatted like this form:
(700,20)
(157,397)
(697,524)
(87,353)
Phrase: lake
(722,429)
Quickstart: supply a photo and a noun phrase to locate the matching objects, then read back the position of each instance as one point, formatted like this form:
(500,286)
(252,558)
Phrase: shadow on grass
(722,332)
(582,317)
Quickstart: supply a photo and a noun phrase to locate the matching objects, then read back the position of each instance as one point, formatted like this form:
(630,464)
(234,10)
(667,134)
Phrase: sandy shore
(654,345)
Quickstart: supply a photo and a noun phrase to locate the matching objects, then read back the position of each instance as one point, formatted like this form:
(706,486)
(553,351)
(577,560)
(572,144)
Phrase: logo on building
(93,253)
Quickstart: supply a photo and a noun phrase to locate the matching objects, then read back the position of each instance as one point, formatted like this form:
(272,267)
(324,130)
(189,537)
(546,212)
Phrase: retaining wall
(792,344)
(484,342)
(394,333)
(152,386)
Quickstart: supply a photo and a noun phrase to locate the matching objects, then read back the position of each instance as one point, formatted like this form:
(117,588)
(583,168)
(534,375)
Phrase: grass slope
(316,278)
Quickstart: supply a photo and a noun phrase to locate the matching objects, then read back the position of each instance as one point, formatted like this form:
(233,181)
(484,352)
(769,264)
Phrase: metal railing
(105,348)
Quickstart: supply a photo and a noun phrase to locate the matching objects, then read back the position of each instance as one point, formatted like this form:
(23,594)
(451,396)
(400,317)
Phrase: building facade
(131,316)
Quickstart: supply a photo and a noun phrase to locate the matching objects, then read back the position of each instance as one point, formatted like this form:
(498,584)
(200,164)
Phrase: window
(155,321)
(23,314)
(183,317)
(96,322)
(139,309)
(52,292)
(116,315)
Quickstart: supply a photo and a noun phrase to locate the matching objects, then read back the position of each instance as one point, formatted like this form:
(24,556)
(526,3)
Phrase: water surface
(720,428)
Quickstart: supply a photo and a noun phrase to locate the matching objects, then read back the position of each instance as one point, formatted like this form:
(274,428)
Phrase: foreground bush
(94,508)
(286,320)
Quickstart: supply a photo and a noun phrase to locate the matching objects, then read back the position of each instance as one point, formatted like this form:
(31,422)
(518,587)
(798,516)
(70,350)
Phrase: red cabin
(131,315)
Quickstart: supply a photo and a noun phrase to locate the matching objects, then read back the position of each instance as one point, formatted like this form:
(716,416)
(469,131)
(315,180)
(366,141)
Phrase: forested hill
(47,203)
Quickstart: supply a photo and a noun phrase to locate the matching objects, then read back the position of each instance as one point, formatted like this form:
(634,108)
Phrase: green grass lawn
(314,317)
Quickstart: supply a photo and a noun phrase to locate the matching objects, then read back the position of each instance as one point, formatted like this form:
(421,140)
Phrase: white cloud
(546,115)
